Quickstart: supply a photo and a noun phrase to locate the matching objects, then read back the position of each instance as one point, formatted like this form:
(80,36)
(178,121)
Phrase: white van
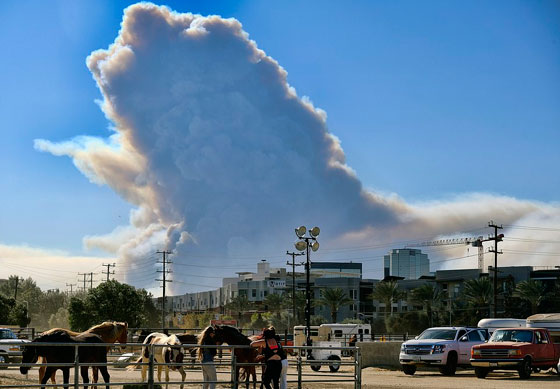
(493,324)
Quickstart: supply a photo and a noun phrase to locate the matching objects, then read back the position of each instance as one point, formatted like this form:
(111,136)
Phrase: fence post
(76,367)
(358,367)
(299,370)
(233,369)
(151,368)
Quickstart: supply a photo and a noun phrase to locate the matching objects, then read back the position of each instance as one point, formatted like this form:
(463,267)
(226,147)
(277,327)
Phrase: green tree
(275,303)
(300,306)
(387,292)
(237,306)
(27,290)
(112,300)
(60,319)
(19,315)
(6,305)
(532,291)
(49,304)
(257,321)
(430,297)
(478,294)
(333,299)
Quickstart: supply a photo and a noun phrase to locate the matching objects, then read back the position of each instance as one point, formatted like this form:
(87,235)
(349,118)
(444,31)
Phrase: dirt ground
(371,378)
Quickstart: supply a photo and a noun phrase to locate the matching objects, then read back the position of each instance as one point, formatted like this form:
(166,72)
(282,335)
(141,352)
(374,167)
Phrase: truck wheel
(4,360)
(314,366)
(481,372)
(409,369)
(335,364)
(525,369)
(451,365)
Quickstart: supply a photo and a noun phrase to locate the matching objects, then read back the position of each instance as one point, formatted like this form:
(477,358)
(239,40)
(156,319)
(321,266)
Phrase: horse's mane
(112,327)
(239,338)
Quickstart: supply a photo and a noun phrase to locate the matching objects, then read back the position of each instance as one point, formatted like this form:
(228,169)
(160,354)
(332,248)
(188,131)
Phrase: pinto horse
(66,354)
(233,337)
(171,353)
(109,331)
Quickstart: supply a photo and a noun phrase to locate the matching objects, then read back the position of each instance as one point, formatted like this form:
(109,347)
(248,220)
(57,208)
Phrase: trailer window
(338,333)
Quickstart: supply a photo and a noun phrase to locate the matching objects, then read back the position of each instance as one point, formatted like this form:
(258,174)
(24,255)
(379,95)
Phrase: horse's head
(29,356)
(218,334)
(122,333)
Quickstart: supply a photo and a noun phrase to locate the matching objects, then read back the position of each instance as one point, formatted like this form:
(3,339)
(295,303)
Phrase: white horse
(172,352)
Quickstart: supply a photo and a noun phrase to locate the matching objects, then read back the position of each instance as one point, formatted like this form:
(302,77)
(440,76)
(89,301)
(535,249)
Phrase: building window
(254,292)
(353,294)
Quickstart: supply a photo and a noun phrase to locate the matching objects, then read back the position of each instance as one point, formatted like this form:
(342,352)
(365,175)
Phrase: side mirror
(464,338)
(415,338)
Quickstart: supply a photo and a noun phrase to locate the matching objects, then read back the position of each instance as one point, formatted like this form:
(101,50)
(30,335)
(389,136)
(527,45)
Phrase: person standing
(273,353)
(206,356)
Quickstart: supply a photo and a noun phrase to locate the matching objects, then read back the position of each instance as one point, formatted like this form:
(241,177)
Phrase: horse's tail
(134,365)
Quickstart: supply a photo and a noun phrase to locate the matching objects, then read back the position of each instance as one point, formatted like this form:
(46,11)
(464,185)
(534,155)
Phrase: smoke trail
(221,157)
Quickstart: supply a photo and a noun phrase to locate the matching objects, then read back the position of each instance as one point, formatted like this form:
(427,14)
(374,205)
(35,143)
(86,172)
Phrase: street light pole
(304,243)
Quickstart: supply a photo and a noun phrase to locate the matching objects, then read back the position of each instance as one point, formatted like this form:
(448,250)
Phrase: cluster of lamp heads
(303,243)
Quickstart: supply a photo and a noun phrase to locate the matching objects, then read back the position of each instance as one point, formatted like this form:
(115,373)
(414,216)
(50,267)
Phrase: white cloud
(51,269)
(221,157)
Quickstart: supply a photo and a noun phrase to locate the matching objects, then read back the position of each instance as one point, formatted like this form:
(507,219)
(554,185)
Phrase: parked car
(444,347)
(9,352)
(521,349)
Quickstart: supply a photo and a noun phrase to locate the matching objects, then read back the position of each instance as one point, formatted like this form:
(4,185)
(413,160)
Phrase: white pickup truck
(9,352)
(444,347)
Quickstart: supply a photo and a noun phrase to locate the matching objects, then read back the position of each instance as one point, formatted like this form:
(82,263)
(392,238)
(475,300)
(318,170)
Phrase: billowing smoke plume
(222,159)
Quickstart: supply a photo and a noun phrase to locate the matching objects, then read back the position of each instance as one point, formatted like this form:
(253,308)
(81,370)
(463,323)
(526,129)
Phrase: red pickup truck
(521,349)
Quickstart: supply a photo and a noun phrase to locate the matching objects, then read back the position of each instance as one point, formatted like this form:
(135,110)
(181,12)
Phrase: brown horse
(108,331)
(244,356)
(66,354)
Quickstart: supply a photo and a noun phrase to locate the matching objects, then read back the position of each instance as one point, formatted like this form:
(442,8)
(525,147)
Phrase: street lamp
(306,243)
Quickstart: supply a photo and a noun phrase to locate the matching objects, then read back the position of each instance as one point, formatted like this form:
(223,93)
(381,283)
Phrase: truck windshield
(438,334)
(7,334)
(512,336)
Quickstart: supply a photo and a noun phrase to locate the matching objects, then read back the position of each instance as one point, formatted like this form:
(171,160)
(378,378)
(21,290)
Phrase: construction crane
(473,241)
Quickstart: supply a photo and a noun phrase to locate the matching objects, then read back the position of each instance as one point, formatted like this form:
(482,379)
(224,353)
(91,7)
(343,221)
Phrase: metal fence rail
(226,367)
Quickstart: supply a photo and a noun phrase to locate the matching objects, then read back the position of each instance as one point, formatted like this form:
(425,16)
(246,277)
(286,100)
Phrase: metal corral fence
(226,367)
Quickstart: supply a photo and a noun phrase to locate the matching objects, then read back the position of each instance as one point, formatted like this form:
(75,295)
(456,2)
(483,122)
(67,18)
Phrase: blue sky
(429,99)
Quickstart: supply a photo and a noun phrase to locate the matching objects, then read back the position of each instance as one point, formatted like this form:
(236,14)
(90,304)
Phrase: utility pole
(163,271)
(69,285)
(90,281)
(109,265)
(83,274)
(294,264)
(16,288)
(496,238)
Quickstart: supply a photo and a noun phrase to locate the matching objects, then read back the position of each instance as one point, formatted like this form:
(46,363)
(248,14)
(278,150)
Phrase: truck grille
(419,350)
(492,353)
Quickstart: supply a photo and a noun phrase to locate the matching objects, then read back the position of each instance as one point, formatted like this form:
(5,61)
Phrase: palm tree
(478,293)
(275,303)
(532,291)
(300,305)
(333,299)
(239,304)
(387,292)
(429,296)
